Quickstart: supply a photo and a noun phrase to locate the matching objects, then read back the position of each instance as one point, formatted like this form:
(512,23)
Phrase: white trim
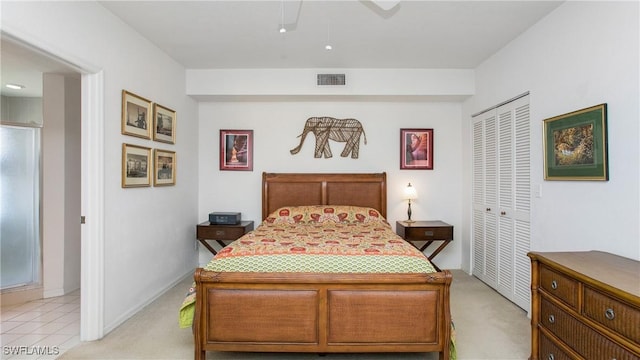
(92,253)
(46,49)
(92,192)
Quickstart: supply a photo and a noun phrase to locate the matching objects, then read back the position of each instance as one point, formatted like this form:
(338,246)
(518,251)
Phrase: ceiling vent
(331,79)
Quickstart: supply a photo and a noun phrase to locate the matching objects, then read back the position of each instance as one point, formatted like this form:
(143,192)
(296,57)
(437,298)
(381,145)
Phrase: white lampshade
(410,192)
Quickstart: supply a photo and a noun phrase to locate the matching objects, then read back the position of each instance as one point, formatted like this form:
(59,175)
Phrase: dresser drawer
(550,351)
(585,341)
(613,314)
(559,285)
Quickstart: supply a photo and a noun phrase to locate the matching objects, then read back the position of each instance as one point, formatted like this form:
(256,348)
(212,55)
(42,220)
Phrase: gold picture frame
(164,126)
(164,167)
(136,166)
(136,115)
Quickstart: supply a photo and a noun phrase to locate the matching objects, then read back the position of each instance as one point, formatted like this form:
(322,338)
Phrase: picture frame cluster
(145,119)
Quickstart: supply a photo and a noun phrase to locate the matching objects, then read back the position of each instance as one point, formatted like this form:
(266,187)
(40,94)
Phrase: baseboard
(126,316)
(20,295)
(49,293)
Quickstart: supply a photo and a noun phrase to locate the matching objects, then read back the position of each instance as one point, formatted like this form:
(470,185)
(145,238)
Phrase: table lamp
(410,194)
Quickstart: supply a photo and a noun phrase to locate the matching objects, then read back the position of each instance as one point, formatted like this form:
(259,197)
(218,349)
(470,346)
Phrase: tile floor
(40,329)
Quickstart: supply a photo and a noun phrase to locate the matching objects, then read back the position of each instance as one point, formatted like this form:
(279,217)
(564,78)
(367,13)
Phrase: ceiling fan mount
(386,5)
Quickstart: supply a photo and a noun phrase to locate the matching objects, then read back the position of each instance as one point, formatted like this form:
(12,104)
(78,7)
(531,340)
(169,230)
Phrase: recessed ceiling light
(15,86)
(283,30)
(328,47)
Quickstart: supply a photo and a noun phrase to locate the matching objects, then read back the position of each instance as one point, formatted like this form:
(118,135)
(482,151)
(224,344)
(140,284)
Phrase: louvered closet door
(502,199)
(505,200)
(479,246)
(521,212)
(485,199)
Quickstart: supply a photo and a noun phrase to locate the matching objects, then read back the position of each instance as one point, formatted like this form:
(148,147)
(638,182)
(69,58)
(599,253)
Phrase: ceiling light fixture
(15,86)
(282,28)
(328,46)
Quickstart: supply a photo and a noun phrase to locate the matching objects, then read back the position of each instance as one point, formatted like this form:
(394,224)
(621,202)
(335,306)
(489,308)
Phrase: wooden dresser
(584,305)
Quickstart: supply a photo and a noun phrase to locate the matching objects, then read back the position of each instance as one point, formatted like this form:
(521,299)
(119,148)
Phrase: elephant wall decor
(327,128)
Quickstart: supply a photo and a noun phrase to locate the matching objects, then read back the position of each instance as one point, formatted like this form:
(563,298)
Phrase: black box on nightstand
(225,218)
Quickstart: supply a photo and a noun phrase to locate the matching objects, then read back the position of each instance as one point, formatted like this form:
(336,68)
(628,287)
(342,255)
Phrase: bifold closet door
(502,199)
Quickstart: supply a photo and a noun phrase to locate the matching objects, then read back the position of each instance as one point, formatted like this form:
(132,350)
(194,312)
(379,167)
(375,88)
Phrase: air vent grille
(331,79)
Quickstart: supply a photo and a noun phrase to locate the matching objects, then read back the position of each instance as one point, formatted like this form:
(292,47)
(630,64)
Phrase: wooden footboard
(322,313)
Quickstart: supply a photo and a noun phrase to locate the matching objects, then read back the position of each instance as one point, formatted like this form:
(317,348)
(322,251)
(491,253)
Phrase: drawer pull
(552,319)
(554,284)
(551,357)
(609,314)
(428,233)
(220,232)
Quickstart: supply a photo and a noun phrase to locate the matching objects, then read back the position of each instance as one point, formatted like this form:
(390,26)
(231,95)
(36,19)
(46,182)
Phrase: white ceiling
(244,34)
(413,34)
(24,66)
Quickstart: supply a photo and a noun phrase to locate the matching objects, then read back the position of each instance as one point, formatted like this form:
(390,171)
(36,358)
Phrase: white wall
(72,184)
(276,125)
(149,232)
(53,139)
(582,54)
(61,185)
(370,83)
(27,110)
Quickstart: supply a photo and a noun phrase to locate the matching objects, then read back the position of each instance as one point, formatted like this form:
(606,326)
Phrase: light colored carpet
(487,327)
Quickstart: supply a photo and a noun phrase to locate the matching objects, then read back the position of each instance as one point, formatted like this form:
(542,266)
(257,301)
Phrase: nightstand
(427,232)
(221,233)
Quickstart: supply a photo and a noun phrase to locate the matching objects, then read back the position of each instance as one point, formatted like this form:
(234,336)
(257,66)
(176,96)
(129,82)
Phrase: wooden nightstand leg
(222,243)
(426,245)
(204,242)
(444,244)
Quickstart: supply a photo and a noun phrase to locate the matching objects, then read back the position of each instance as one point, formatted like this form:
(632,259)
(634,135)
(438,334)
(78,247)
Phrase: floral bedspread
(320,239)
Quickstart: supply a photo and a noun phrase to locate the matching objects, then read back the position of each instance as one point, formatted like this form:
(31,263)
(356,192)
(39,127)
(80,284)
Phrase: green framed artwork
(575,145)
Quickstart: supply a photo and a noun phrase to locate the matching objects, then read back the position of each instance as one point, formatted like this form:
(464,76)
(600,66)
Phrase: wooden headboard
(295,189)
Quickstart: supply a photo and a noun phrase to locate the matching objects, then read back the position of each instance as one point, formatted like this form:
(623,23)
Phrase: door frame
(92,183)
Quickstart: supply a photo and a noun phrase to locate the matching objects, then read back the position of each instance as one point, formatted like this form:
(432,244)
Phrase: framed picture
(575,145)
(136,115)
(236,150)
(416,149)
(136,166)
(164,169)
(164,127)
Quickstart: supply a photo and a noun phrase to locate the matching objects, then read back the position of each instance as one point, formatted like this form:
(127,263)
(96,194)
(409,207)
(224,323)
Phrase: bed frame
(317,312)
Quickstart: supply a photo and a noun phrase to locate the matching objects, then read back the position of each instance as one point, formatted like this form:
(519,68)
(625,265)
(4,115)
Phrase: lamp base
(409,221)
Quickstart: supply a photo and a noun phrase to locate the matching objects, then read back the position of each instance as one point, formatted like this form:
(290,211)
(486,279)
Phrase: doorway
(47,93)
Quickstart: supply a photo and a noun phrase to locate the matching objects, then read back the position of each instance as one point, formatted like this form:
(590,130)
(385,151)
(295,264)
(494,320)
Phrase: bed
(330,309)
